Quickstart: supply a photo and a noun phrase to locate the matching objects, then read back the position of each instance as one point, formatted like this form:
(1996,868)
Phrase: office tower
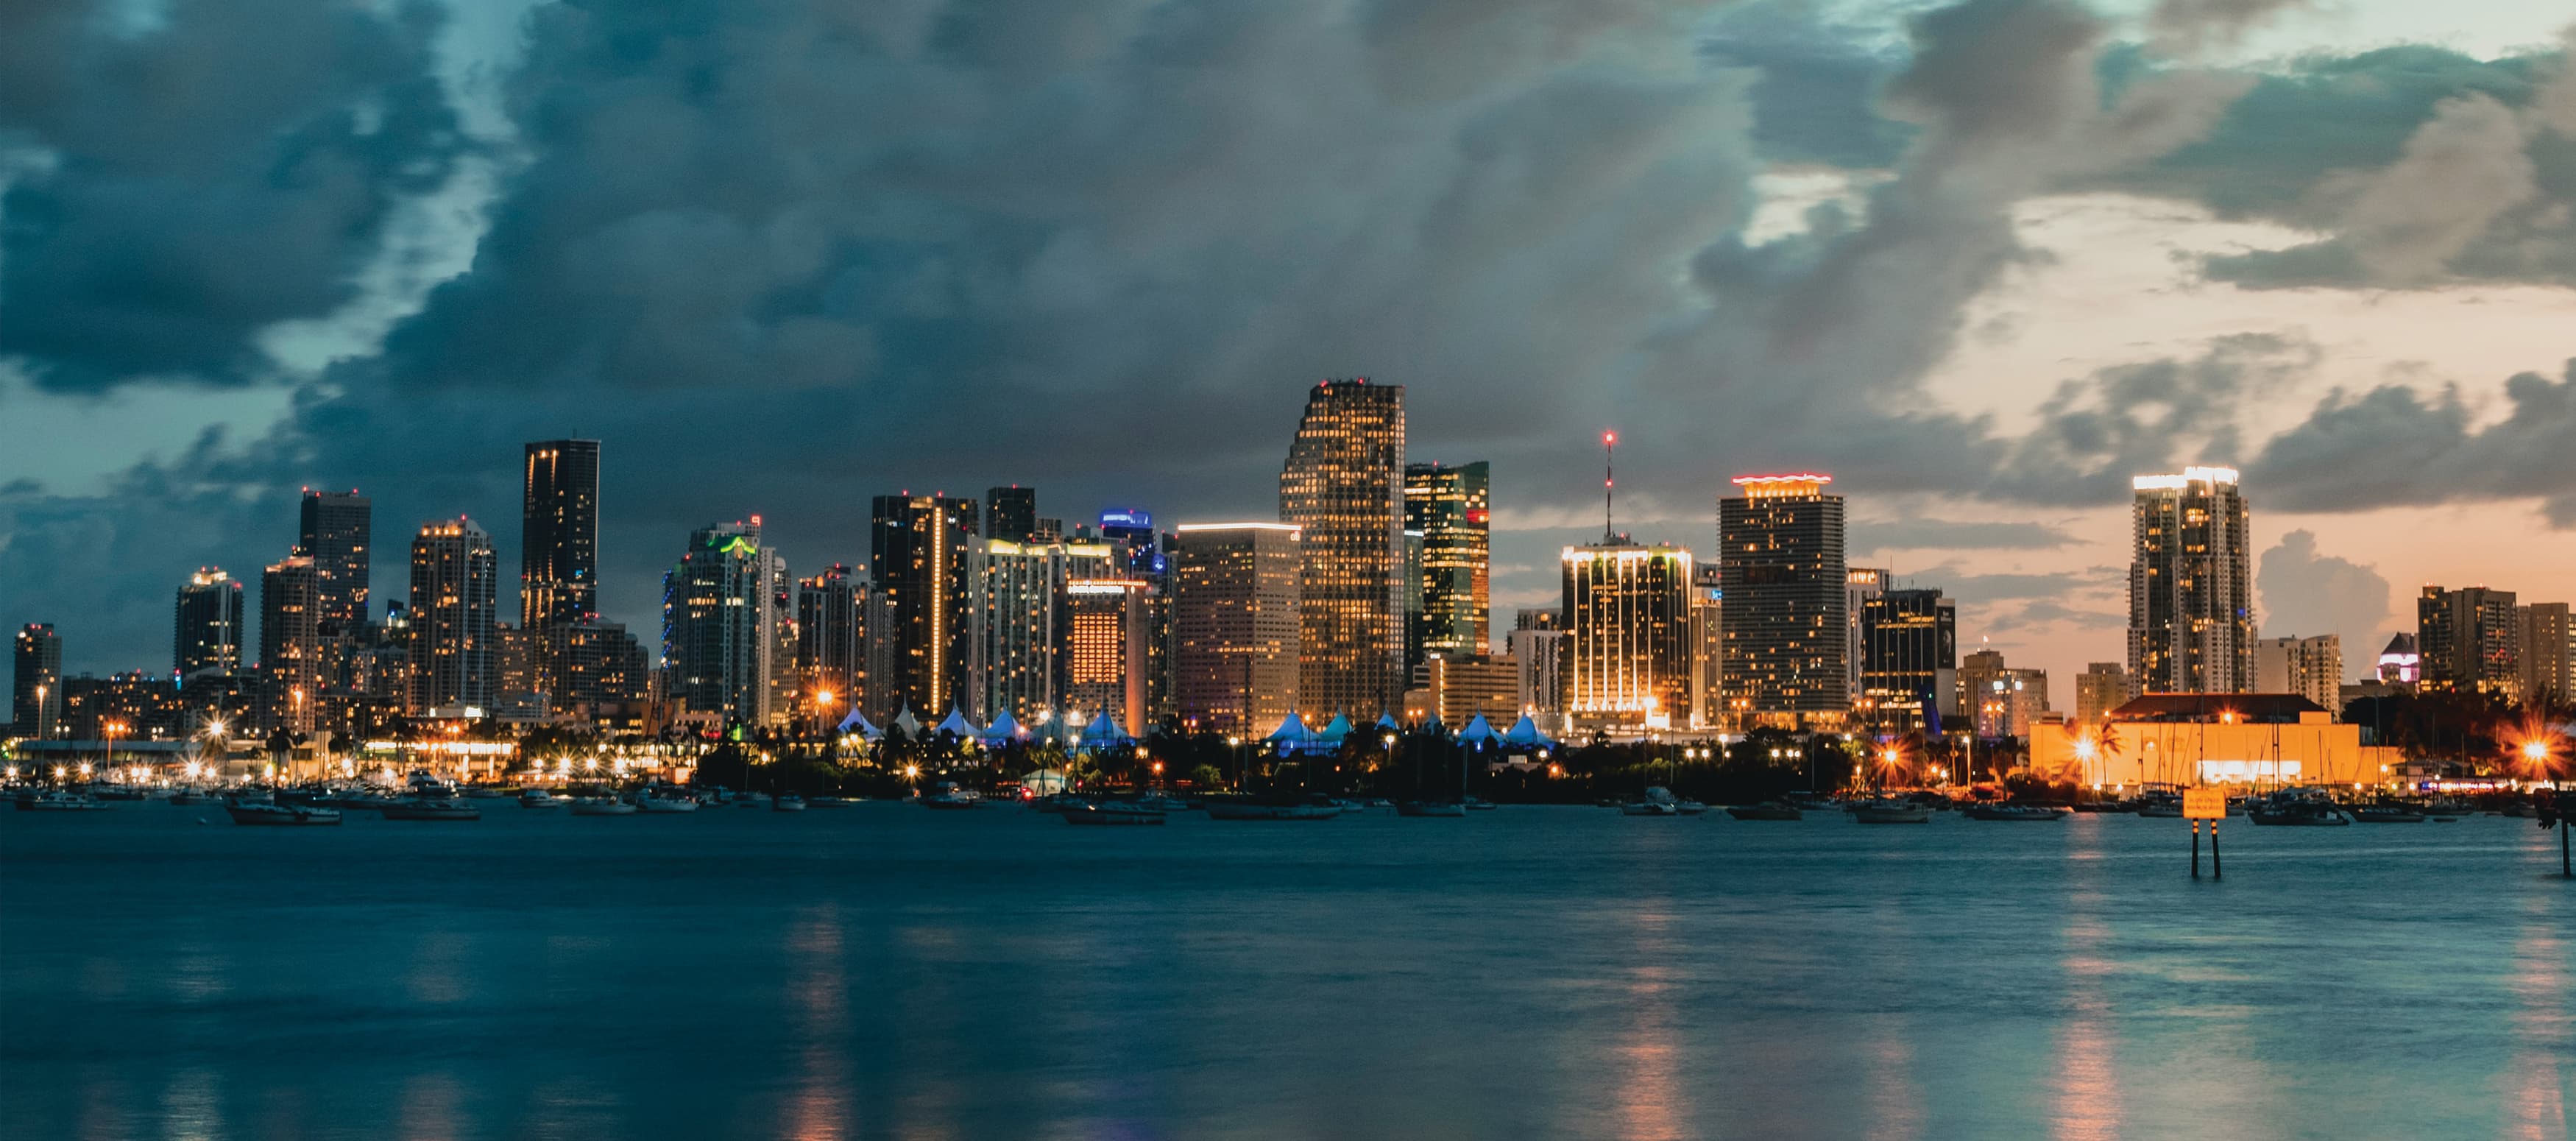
(1708,645)
(1235,626)
(2191,611)
(832,635)
(36,685)
(1628,616)
(1343,488)
(2468,638)
(1781,562)
(920,551)
(1909,647)
(1458,688)
(208,634)
(1131,531)
(291,606)
(2309,667)
(1452,508)
(336,532)
(720,623)
(1011,513)
(2401,662)
(559,535)
(1860,584)
(599,668)
(1538,618)
(2101,688)
(1539,667)
(2547,651)
(453,613)
(1019,590)
(2002,701)
(1109,644)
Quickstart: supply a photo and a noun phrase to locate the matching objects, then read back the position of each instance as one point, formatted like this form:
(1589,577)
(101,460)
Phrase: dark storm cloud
(2394,446)
(2096,433)
(1926,533)
(2189,25)
(183,186)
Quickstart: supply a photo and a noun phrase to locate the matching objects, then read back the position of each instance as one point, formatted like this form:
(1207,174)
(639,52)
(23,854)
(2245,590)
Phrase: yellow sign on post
(2204,804)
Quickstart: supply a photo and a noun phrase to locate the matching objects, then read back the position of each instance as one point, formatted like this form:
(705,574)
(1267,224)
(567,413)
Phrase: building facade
(290,645)
(1235,626)
(2547,653)
(1909,651)
(2309,667)
(1020,596)
(2000,700)
(2191,608)
(454,613)
(921,552)
(1785,631)
(721,625)
(1628,612)
(1109,648)
(2101,688)
(559,535)
(1011,513)
(1540,665)
(36,682)
(207,633)
(1451,507)
(1860,585)
(832,635)
(1343,488)
(336,531)
(2468,639)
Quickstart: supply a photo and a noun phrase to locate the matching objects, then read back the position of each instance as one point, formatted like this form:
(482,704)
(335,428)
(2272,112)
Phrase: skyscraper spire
(1609,454)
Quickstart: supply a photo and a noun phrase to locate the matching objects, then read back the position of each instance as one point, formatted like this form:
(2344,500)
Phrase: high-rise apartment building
(2191,608)
(1452,509)
(921,552)
(1109,648)
(599,669)
(832,635)
(1019,596)
(336,530)
(208,631)
(1343,488)
(2000,700)
(36,685)
(2309,667)
(290,644)
(1785,582)
(2469,638)
(2547,651)
(1011,513)
(2101,688)
(1235,626)
(559,535)
(1860,585)
(1628,614)
(1909,646)
(454,612)
(721,624)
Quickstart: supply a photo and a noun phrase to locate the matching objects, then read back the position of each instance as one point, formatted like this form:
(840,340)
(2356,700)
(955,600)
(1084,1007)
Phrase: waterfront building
(1109,648)
(1343,488)
(600,670)
(453,615)
(2101,688)
(2468,638)
(832,635)
(1628,613)
(2261,739)
(207,634)
(1860,585)
(1019,594)
(2000,700)
(36,683)
(123,708)
(1451,508)
(1456,689)
(519,690)
(290,645)
(1909,651)
(2309,667)
(559,535)
(2191,610)
(721,624)
(2547,650)
(1012,513)
(336,530)
(921,552)
(1540,667)
(1786,586)
(1235,626)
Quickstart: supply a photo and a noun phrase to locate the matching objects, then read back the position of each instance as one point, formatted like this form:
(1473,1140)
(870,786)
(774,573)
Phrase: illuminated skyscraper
(1343,488)
(1909,647)
(453,614)
(335,533)
(831,634)
(920,550)
(1019,590)
(1628,613)
(1785,628)
(1109,647)
(36,686)
(1011,513)
(290,644)
(559,535)
(2191,610)
(1235,626)
(2469,639)
(722,625)
(1860,584)
(1452,508)
(208,634)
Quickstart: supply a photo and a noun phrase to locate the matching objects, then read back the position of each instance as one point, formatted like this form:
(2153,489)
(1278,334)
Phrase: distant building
(2259,739)
(1786,588)
(290,645)
(2548,651)
(1451,507)
(1860,585)
(2001,701)
(208,631)
(1109,648)
(1020,592)
(2101,688)
(921,552)
(453,615)
(600,670)
(1909,651)
(1235,626)
(1540,667)
(1011,514)
(559,536)
(2468,638)
(721,625)
(1343,488)
(1629,615)
(1459,688)
(336,530)
(36,683)
(2402,662)
(2191,616)
(831,635)
(2309,667)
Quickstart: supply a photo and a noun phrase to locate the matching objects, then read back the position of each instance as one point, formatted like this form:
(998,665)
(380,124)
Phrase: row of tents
(1293,736)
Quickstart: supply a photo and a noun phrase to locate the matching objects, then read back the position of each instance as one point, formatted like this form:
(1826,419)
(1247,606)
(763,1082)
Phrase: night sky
(1982,261)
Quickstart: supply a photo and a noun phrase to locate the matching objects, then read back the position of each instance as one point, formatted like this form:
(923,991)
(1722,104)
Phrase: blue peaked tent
(1290,735)
(1002,731)
(957,723)
(1104,732)
(1524,734)
(1479,732)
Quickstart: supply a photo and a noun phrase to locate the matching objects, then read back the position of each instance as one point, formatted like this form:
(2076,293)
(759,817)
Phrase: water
(885,971)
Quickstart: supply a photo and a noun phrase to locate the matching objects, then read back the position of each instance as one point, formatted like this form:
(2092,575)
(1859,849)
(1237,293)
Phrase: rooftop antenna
(1609,454)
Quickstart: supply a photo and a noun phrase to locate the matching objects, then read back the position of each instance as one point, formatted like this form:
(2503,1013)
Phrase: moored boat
(2015,812)
(60,801)
(665,801)
(1767,810)
(1891,812)
(2386,814)
(272,814)
(539,798)
(2286,810)
(787,802)
(1430,808)
(602,806)
(947,797)
(431,808)
(1110,814)
(1658,801)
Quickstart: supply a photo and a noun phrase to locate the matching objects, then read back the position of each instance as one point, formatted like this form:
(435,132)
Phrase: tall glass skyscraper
(920,551)
(1452,508)
(559,535)
(208,633)
(1785,629)
(1343,488)
(1235,626)
(1628,612)
(2191,606)
(453,614)
(290,644)
(36,686)
(1909,639)
(335,532)
(720,623)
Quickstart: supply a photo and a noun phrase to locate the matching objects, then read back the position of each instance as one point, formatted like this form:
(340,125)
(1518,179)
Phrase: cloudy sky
(1983,261)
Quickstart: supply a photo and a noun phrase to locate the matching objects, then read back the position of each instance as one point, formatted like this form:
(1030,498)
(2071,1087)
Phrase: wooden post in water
(2195,849)
(2217,871)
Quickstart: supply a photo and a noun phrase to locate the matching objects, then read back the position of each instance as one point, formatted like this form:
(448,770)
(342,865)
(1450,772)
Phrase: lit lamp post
(2553,809)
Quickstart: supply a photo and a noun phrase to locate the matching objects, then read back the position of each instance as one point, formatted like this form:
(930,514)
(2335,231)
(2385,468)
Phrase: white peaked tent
(911,725)
(854,723)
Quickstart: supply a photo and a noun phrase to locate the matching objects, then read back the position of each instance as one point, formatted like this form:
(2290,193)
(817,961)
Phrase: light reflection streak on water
(2536,1079)
(1649,1071)
(428,1108)
(191,1107)
(2087,1075)
(818,1004)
